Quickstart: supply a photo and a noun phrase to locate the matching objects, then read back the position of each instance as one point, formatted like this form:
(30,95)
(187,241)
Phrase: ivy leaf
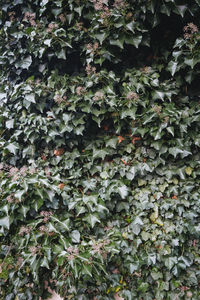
(23,210)
(92,219)
(48,42)
(75,234)
(5,222)
(181,9)
(10,124)
(100,37)
(25,63)
(131,173)
(188,170)
(61,54)
(63,224)
(135,41)
(112,142)
(171,130)
(12,147)
(87,270)
(175,151)
(131,26)
(44,262)
(123,191)
(190,62)
(78,10)
(135,228)
(99,154)
(170,262)
(30,98)
(172,67)
(118,42)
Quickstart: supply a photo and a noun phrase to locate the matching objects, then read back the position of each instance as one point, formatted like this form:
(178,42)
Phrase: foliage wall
(99,149)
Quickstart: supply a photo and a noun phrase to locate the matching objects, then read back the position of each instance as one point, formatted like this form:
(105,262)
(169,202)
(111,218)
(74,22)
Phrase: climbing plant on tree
(99,149)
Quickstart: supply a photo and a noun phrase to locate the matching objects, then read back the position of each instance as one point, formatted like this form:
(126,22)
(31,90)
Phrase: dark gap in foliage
(165,33)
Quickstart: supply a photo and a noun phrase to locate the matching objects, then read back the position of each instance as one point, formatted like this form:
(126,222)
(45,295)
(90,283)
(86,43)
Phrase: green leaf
(182,9)
(99,154)
(118,42)
(69,18)
(64,224)
(138,221)
(170,262)
(171,130)
(131,26)
(48,42)
(112,142)
(10,124)
(44,262)
(79,10)
(12,147)
(172,67)
(92,219)
(25,63)
(137,40)
(2,96)
(131,173)
(100,37)
(61,54)
(143,287)
(123,191)
(75,234)
(190,62)
(5,222)
(175,151)
(23,210)
(136,228)
(87,270)
(30,97)
(104,175)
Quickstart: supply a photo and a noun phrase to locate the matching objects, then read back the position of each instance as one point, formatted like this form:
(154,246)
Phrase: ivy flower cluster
(132,96)
(90,70)
(73,251)
(46,215)
(11,198)
(80,90)
(30,18)
(62,18)
(25,230)
(35,249)
(98,247)
(51,27)
(119,4)
(189,30)
(59,99)
(98,96)
(16,173)
(92,47)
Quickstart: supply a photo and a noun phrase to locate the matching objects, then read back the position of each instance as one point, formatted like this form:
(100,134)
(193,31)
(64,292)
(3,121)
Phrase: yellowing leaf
(188,170)
(124,235)
(159,222)
(153,217)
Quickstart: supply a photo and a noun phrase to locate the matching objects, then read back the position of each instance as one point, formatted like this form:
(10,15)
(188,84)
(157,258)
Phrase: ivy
(99,149)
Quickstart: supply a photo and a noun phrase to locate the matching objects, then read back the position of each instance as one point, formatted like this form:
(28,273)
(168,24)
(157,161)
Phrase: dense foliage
(99,149)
